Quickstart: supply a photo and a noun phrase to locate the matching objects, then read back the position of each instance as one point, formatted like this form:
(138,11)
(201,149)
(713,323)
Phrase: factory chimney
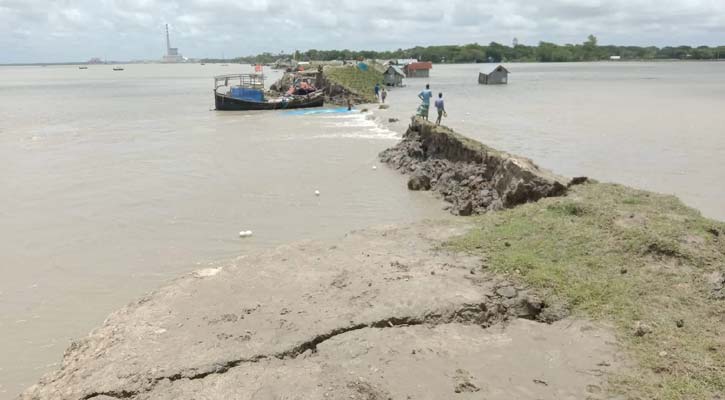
(168,42)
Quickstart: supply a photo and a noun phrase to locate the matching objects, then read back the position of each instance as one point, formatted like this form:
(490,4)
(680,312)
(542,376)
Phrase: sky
(76,30)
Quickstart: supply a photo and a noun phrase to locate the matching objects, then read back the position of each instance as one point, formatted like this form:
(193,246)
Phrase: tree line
(589,50)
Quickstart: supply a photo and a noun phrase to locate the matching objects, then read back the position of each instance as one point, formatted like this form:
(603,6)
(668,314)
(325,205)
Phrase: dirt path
(381,314)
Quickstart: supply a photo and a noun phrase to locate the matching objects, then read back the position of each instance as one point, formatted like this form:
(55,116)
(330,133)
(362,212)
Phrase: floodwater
(115,182)
(658,126)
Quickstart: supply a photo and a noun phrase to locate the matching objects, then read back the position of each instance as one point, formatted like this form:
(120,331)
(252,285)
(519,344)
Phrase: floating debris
(207,272)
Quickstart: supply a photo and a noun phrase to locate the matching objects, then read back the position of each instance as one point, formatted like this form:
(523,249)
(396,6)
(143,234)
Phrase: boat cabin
(248,87)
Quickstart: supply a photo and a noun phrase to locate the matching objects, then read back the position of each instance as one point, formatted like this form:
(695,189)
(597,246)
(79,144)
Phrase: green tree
(589,49)
(473,52)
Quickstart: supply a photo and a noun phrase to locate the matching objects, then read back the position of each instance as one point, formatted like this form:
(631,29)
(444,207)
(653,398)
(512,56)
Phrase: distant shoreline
(55,64)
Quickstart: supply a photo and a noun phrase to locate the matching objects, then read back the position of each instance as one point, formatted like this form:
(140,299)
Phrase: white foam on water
(355,126)
(358,135)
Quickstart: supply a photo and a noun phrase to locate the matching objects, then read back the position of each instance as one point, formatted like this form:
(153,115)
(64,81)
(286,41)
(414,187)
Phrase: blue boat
(243,92)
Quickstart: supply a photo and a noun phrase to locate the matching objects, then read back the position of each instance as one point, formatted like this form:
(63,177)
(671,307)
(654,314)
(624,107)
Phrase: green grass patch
(620,255)
(362,83)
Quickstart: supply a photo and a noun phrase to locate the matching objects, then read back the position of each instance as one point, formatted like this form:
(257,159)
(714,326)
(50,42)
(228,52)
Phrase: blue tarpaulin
(247,94)
(363,67)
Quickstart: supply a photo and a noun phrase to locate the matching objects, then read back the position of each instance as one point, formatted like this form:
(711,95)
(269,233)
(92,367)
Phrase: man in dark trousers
(440,107)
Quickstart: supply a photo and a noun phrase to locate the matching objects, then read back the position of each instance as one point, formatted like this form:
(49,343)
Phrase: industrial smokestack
(168,42)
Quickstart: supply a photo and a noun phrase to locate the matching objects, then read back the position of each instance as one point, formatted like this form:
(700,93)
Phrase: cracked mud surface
(380,315)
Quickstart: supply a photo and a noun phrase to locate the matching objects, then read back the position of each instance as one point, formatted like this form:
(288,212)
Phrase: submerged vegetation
(589,50)
(640,261)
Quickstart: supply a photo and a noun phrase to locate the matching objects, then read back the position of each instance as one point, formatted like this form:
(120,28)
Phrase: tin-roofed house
(404,61)
(393,76)
(418,69)
(499,76)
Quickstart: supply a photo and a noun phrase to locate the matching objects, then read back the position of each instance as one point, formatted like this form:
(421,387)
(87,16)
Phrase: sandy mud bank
(384,313)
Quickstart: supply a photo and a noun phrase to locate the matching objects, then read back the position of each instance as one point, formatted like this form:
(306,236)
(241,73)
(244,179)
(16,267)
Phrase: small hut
(418,69)
(393,76)
(499,76)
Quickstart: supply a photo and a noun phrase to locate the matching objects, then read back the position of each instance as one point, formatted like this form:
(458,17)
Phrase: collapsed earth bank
(471,176)
(339,84)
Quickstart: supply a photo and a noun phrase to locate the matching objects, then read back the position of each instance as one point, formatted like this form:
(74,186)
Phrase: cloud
(54,30)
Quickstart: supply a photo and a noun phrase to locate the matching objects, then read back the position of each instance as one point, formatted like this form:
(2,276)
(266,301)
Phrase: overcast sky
(68,30)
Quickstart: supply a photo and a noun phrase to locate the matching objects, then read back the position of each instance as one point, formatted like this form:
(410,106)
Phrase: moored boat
(118,68)
(245,92)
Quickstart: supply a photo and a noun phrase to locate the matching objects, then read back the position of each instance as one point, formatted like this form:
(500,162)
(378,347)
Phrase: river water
(115,182)
(657,126)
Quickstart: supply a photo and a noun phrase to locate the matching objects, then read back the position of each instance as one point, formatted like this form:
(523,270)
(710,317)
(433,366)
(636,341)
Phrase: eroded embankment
(382,314)
(472,177)
(340,84)
(424,311)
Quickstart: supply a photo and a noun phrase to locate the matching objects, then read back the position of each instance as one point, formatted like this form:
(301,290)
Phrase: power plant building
(172,53)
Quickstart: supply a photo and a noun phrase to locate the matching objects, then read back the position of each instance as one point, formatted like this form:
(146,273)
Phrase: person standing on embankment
(440,106)
(425,96)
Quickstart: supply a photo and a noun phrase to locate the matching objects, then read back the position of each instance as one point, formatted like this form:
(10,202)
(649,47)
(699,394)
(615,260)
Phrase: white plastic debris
(244,234)
(375,167)
(317,192)
(207,272)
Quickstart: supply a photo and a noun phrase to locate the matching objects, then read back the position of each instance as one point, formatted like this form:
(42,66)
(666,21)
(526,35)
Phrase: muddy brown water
(657,126)
(115,182)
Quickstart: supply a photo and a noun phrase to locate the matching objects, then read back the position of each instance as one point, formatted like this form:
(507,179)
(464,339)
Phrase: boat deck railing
(251,81)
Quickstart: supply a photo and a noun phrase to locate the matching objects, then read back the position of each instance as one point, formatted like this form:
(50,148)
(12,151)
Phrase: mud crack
(481,314)
(120,394)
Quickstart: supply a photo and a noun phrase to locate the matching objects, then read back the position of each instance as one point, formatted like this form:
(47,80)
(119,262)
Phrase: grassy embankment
(629,258)
(361,83)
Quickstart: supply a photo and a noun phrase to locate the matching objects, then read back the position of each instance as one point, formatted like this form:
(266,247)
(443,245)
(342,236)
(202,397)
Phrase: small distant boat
(203,64)
(245,92)
(82,67)
(118,68)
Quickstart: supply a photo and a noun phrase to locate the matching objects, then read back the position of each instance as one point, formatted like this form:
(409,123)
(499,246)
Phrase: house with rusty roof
(418,69)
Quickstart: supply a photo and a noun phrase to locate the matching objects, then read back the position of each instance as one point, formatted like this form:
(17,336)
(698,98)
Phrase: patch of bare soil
(383,314)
